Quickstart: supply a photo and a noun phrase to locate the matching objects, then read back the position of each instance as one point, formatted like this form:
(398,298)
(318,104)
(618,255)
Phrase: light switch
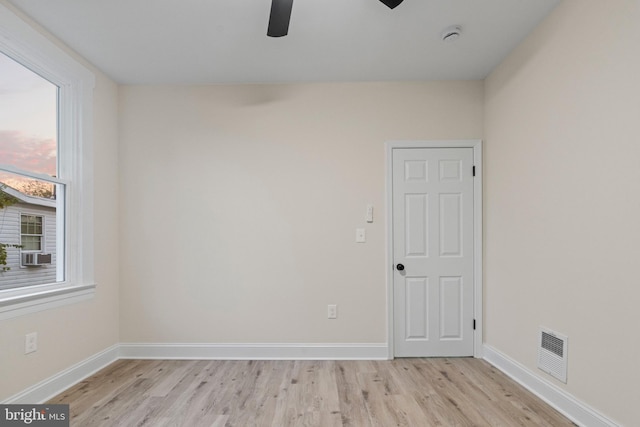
(361,236)
(332,311)
(369,213)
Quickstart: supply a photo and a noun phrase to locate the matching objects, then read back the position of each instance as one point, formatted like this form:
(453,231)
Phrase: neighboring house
(31,222)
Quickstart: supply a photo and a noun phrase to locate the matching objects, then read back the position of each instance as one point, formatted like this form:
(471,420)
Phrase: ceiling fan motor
(281,15)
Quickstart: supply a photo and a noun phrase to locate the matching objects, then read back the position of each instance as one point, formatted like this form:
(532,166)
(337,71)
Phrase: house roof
(25,198)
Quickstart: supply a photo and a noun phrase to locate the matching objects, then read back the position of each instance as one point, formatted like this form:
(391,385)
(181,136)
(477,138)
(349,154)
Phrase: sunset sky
(28,120)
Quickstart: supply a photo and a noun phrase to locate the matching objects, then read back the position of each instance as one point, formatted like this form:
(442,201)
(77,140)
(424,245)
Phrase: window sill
(19,302)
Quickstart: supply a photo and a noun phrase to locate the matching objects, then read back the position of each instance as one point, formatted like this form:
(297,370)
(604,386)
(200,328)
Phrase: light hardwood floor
(402,392)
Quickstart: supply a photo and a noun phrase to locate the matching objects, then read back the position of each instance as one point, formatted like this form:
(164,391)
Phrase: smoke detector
(451,33)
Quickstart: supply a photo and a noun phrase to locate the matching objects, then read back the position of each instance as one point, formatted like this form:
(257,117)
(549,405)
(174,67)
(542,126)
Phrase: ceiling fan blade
(279,18)
(391,3)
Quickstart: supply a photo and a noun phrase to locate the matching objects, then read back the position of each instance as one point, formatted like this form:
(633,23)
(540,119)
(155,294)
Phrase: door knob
(400,267)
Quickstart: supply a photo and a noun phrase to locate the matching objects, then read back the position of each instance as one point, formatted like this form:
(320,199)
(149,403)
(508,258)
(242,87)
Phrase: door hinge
(474,324)
(474,171)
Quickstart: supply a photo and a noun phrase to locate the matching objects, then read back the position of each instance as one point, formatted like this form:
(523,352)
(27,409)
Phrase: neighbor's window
(31,230)
(28,175)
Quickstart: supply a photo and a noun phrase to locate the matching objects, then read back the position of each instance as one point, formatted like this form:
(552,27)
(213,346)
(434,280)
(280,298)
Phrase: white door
(433,252)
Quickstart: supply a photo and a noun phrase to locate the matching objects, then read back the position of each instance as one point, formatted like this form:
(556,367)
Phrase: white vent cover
(552,354)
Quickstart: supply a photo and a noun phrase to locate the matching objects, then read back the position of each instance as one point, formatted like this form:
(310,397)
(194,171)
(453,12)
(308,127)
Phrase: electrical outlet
(30,342)
(332,311)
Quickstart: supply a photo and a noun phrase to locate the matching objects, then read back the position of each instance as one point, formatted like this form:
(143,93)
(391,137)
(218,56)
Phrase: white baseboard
(577,411)
(376,351)
(54,385)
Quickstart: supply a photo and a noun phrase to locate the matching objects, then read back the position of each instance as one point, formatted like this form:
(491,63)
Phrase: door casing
(476,145)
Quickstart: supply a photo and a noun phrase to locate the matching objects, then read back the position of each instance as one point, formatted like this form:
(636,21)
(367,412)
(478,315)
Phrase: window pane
(31,243)
(31,224)
(28,119)
(28,223)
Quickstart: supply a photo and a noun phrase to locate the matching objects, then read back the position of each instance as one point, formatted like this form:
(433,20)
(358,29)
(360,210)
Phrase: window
(29,151)
(45,170)
(31,232)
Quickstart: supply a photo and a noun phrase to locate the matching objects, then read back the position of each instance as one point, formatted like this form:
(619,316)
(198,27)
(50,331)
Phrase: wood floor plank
(435,408)
(112,379)
(306,393)
(173,402)
(532,409)
(353,412)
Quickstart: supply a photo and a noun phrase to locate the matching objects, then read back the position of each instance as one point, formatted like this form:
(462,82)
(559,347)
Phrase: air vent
(552,354)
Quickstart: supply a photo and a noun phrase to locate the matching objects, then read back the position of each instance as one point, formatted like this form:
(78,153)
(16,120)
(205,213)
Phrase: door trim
(476,145)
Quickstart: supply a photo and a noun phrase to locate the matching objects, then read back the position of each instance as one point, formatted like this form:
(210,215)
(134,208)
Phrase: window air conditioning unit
(35,259)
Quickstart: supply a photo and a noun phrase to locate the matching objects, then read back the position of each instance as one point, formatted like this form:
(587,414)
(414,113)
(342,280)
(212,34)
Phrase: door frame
(476,145)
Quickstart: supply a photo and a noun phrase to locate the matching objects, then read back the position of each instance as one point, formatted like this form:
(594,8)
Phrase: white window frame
(32,49)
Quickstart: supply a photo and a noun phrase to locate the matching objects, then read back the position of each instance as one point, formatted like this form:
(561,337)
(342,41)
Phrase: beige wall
(562,199)
(71,334)
(240,203)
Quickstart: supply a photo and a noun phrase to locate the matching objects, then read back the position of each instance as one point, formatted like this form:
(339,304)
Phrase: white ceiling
(224,41)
